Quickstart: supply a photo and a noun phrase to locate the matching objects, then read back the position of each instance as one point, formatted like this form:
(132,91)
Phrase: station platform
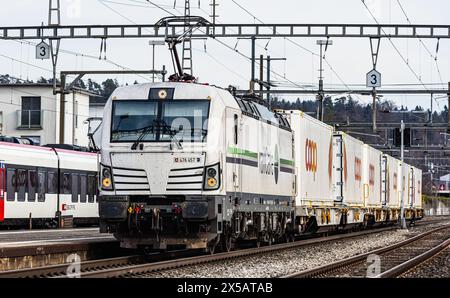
(14,238)
(30,248)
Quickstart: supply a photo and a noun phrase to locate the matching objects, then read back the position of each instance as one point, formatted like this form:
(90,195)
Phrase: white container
(313,141)
(372,176)
(347,170)
(415,188)
(392,181)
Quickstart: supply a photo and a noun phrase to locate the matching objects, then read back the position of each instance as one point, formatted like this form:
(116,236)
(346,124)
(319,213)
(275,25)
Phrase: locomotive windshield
(147,121)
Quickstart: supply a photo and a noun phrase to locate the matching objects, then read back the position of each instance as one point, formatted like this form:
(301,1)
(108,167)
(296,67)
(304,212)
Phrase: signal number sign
(373,79)
(42,51)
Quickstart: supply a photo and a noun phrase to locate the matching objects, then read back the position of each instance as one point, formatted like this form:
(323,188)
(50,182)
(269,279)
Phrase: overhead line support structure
(227,30)
(357,91)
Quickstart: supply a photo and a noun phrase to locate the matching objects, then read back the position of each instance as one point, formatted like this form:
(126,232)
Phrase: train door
(233,149)
(384,180)
(338,168)
(2,190)
(411,187)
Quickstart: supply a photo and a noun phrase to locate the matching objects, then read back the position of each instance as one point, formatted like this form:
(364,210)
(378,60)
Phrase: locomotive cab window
(150,121)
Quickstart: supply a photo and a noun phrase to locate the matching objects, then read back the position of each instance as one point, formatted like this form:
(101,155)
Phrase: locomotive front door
(2,190)
(234,160)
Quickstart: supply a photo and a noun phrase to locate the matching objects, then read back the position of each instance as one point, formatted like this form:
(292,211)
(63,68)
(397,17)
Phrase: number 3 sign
(42,51)
(373,79)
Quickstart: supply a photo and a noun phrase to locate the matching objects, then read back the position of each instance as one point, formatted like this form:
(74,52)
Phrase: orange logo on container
(358,166)
(311,156)
(372,175)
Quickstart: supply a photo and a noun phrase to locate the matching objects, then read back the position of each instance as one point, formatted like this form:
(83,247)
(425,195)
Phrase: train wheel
(227,243)
(289,238)
(213,244)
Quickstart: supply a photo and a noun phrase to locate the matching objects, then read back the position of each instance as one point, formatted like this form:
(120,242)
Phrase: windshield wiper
(170,131)
(144,132)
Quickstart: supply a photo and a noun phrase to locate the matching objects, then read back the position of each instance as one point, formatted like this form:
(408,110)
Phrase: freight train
(47,187)
(192,165)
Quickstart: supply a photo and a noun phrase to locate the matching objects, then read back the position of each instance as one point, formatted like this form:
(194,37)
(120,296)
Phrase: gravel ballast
(436,267)
(280,263)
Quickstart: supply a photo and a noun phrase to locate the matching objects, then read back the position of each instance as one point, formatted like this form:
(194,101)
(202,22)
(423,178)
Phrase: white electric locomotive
(190,164)
(39,185)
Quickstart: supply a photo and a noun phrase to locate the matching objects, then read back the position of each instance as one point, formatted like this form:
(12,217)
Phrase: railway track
(137,265)
(93,265)
(386,262)
(143,269)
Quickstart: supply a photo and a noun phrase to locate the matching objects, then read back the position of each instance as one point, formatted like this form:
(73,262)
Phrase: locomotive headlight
(212,172)
(106,178)
(212,177)
(212,182)
(106,173)
(106,182)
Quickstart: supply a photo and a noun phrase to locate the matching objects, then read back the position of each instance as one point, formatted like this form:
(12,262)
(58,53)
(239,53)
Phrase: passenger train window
(41,186)
(52,183)
(91,188)
(83,188)
(32,185)
(66,187)
(11,183)
(96,187)
(74,184)
(22,183)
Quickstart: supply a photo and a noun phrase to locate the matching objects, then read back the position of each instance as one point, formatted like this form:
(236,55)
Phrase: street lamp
(154,43)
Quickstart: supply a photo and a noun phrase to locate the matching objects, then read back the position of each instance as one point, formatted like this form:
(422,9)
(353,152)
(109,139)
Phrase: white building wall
(11,102)
(75,127)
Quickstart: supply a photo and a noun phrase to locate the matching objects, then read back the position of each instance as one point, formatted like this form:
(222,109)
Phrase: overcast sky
(350,58)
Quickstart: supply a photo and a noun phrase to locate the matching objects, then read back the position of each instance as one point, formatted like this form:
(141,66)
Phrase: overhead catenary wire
(298,45)
(303,48)
(83,55)
(26,63)
(394,46)
(224,44)
(435,57)
(45,97)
